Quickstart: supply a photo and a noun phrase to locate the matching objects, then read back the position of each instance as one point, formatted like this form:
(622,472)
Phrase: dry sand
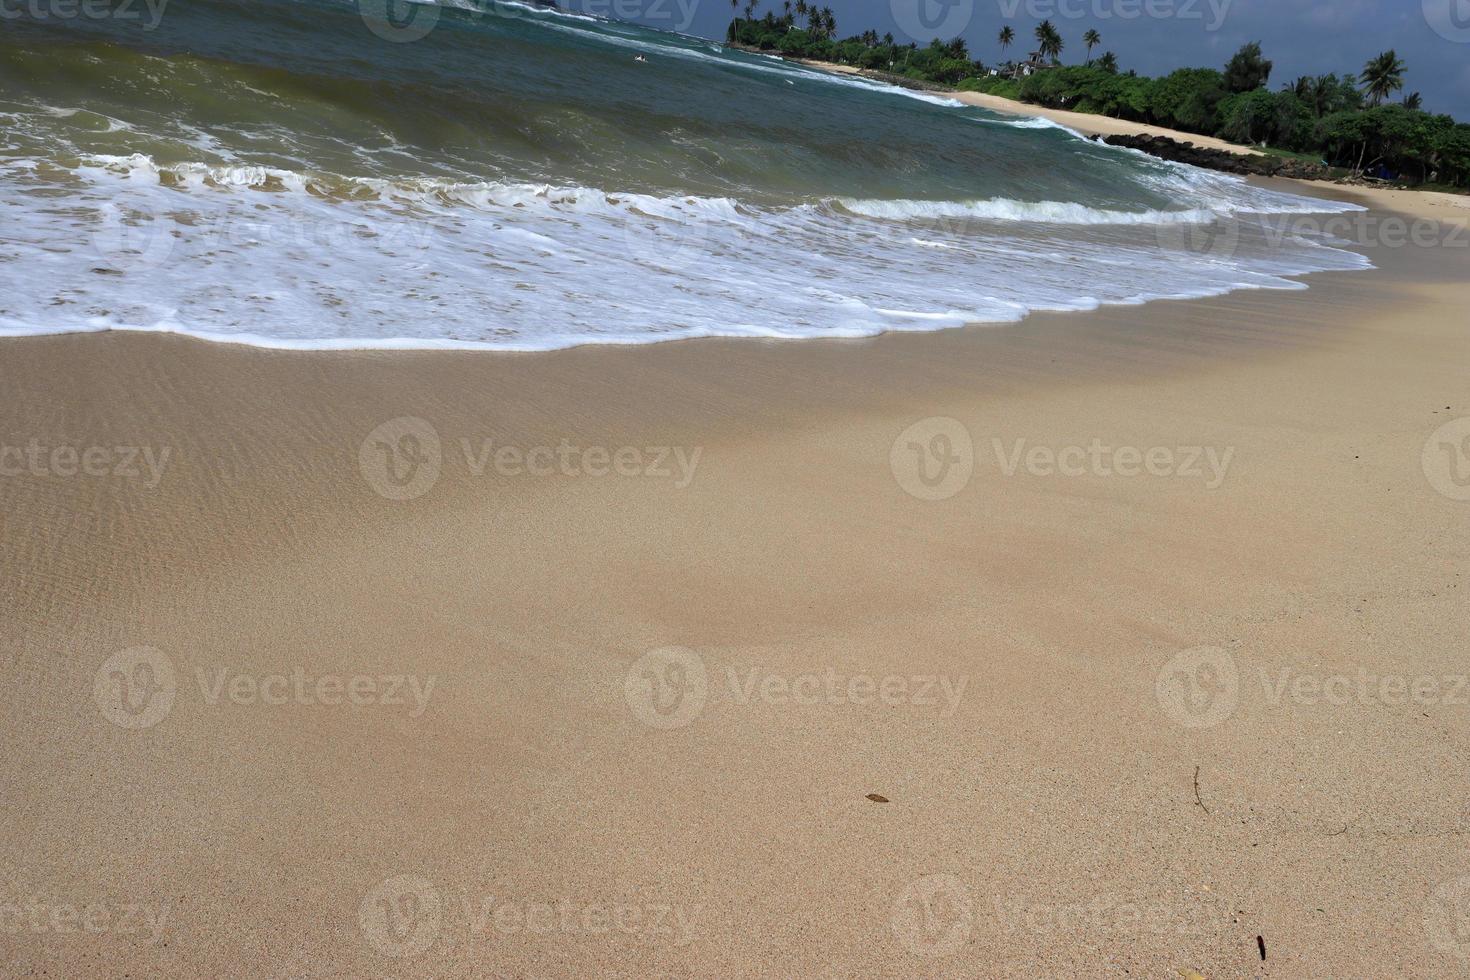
(1061,808)
(1092,124)
(1086,123)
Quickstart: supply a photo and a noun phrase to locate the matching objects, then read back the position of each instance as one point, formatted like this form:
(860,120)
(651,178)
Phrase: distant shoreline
(1154,140)
(1086,123)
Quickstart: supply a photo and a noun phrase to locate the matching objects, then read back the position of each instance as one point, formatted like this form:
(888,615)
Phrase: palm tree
(1382,76)
(1006,36)
(1322,92)
(1049,42)
(1413,101)
(1108,62)
(1092,39)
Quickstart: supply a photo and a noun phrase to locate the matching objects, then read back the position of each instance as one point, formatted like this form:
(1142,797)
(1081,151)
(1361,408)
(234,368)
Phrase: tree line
(1347,119)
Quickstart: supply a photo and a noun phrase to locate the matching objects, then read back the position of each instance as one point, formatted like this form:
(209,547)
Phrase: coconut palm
(1413,101)
(1092,39)
(1382,76)
(1108,62)
(1006,36)
(1048,41)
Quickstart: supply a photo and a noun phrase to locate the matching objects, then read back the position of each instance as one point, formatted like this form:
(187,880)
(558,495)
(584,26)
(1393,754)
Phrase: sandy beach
(1092,124)
(1086,123)
(1125,642)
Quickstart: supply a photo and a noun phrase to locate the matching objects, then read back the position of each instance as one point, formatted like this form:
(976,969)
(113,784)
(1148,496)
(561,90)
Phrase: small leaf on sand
(877,799)
(1191,974)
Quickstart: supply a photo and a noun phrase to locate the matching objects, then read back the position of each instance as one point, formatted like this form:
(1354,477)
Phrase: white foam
(275,258)
(1005,209)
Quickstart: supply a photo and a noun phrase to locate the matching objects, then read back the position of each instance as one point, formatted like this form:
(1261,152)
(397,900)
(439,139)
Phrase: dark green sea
(320,174)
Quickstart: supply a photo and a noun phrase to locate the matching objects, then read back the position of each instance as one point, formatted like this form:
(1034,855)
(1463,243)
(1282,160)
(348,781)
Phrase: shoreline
(1108,129)
(1419,207)
(1054,767)
(1086,123)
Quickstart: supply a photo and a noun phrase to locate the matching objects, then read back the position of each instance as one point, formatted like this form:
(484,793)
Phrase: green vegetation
(1344,121)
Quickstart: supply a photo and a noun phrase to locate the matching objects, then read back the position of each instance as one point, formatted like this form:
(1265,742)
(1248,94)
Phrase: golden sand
(1105,642)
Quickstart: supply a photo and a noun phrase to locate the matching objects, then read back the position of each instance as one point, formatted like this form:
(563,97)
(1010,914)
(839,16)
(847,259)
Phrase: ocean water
(302,173)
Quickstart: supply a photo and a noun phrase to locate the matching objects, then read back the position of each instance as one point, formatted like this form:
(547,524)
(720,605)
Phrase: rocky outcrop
(1254,164)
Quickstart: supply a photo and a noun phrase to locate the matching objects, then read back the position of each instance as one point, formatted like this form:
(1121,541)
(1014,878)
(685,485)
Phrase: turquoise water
(303,174)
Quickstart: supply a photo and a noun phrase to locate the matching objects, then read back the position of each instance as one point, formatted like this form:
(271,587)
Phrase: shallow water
(298,174)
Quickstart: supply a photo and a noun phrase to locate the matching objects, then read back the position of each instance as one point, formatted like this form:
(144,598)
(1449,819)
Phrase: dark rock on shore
(1256,164)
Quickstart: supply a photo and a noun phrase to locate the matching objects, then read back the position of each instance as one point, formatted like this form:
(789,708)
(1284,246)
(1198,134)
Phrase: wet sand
(1145,626)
